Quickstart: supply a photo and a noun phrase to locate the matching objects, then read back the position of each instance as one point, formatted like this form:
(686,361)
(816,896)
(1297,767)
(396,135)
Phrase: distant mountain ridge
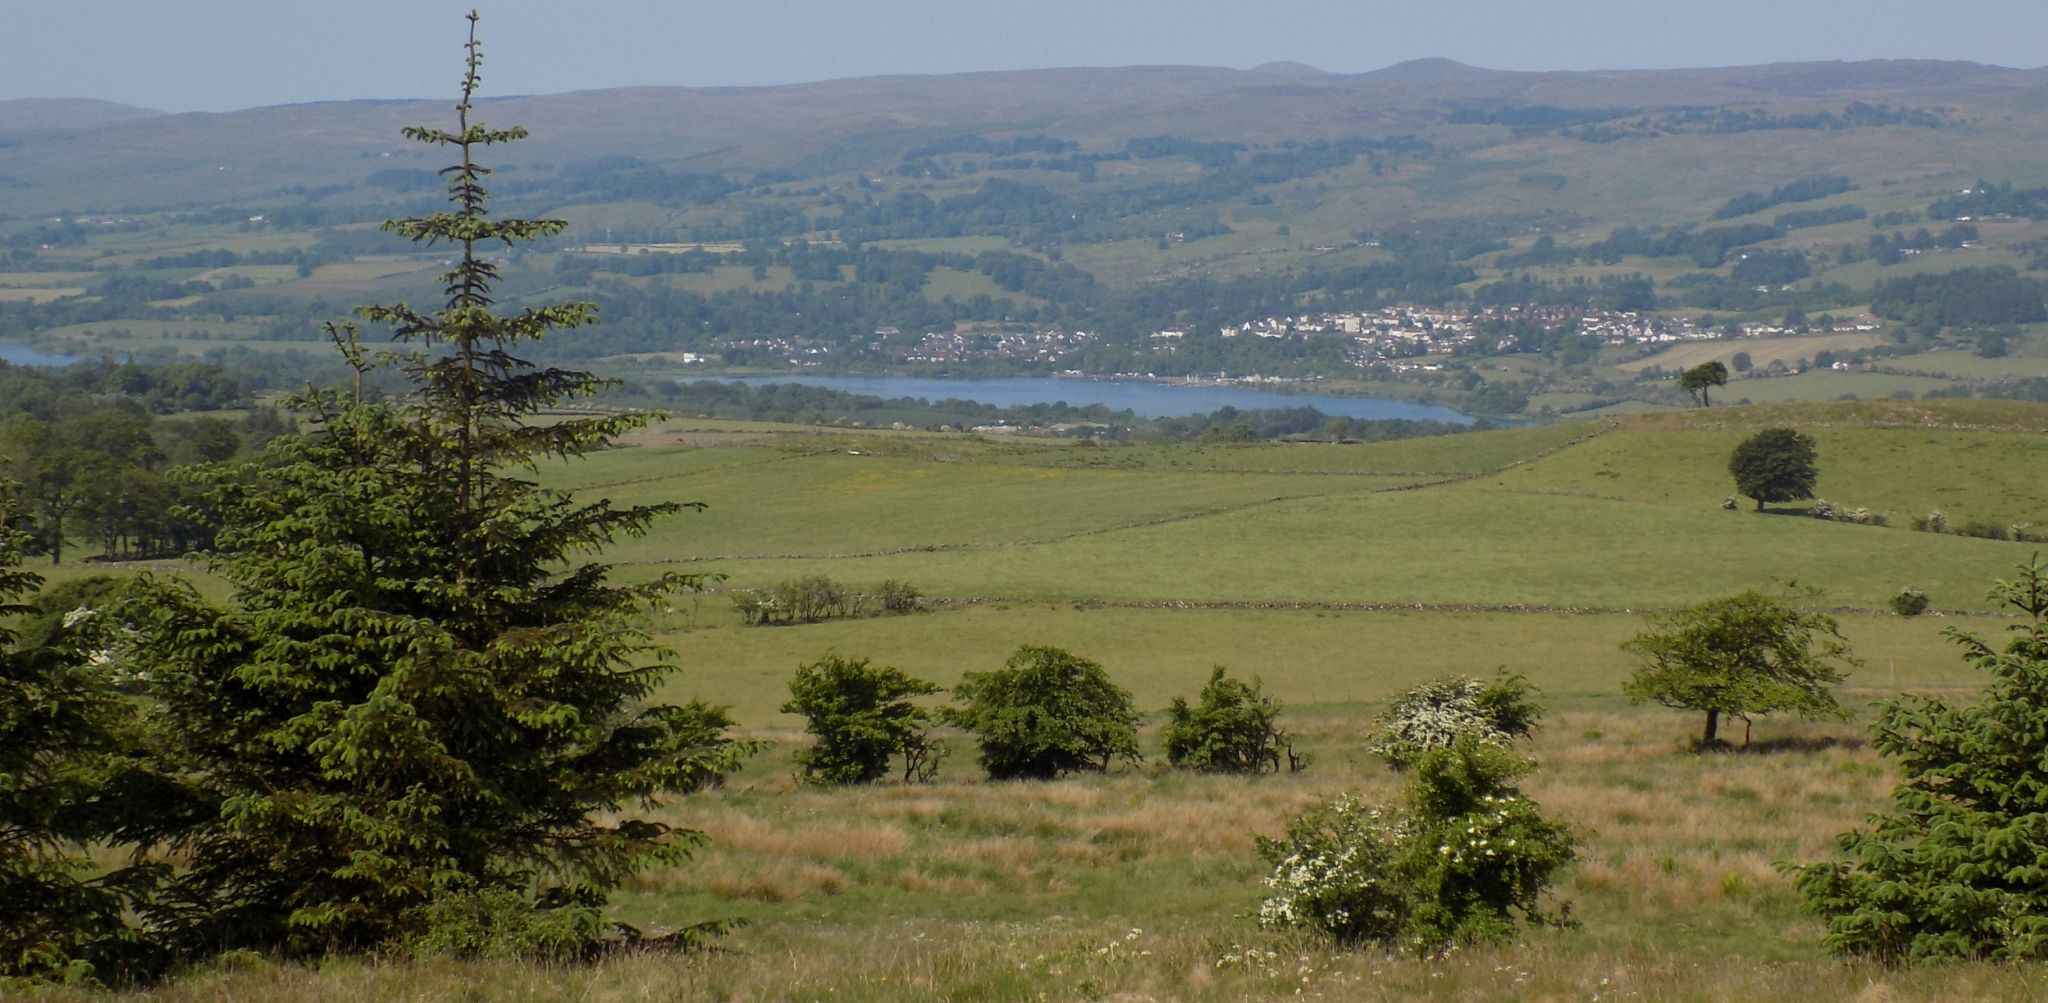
(867,123)
(24,114)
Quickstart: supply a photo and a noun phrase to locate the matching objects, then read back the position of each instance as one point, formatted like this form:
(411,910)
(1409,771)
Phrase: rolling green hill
(1623,514)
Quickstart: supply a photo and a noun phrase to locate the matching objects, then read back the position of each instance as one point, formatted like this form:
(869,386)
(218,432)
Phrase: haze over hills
(164,160)
(24,114)
(1091,209)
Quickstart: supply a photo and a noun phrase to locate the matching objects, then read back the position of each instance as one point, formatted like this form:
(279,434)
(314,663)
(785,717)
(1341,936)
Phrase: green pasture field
(1825,384)
(731,278)
(1762,351)
(1568,515)
(36,294)
(120,337)
(368,272)
(1333,661)
(964,286)
(1964,365)
(1463,544)
(41,280)
(1339,575)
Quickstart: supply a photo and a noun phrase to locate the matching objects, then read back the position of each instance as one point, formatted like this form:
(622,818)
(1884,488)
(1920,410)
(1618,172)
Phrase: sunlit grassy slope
(1338,574)
(1620,514)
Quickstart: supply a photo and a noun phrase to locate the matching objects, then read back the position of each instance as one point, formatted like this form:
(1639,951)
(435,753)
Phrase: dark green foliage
(1463,861)
(1962,298)
(1910,601)
(1696,380)
(1954,870)
(419,707)
(1775,465)
(1986,198)
(1045,714)
(1802,190)
(1232,730)
(62,728)
(1745,655)
(861,716)
(1770,268)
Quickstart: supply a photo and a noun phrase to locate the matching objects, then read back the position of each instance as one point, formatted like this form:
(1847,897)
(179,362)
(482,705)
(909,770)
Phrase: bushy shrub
(861,715)
(1824,509)
(1462,860)
(816,598)
(898,597)
(1232,730)
(1046,713)
(1933,521)
(1954,869)
(1910,602)
(1985,529)
(1434,714)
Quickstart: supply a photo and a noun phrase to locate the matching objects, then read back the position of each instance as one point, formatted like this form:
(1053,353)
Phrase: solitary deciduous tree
(1046,713)
(1233,729)
(862,717)
(1744,655)
(1696,380)
(1774,465)
(423,721)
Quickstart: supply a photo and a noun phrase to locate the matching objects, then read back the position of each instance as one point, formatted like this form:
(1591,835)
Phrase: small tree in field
(1696,380)
(1463,860)
(423,722)
(1744,655)
(1956,868)
(1045,714)
(1433,716)
(1775,465)
(1232,730)
(862,717)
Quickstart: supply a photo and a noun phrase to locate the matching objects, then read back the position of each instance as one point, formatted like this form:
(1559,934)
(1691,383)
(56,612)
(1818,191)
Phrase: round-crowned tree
(1232,729)
(1044,714)
(1744,655)
(1775,465)
(862,717)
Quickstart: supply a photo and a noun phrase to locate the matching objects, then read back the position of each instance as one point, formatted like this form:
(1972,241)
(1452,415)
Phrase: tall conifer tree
(421,715)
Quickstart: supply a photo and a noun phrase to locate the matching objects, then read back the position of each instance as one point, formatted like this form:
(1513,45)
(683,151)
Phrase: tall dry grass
(1139,886)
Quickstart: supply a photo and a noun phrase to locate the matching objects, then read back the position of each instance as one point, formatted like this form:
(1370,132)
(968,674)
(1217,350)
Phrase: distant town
(1398,339)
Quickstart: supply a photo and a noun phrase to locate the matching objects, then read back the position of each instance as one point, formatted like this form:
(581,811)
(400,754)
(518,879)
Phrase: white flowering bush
(1434,714)
(1465,859)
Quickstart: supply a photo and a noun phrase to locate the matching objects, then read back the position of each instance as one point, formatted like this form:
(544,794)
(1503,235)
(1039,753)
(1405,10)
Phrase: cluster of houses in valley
(1395,336)
(984,342)
(1399,338)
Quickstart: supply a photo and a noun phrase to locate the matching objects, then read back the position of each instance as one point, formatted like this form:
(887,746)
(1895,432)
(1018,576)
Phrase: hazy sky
(216,55)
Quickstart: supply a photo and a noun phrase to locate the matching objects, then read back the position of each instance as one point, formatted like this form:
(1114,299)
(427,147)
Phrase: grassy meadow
(1338,574)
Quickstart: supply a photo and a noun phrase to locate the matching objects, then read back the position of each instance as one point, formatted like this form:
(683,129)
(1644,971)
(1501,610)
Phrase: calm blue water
(22,355)
(1144,397)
